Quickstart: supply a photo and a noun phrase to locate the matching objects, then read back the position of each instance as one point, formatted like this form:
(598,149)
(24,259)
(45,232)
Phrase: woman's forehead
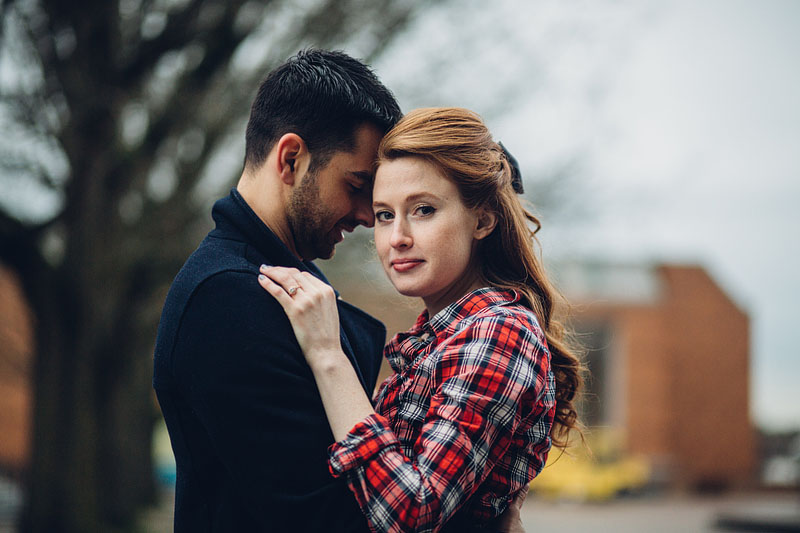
(410,175)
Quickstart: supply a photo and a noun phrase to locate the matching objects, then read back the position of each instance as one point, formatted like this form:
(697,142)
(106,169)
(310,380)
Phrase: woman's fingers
(281,275)
(313,284)
(290,278)
(310,305)
(519,499)
(306,293)
(309,280)
(276,290)
(287,278)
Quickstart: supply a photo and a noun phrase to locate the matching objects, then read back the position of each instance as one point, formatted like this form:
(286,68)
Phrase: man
(245,419)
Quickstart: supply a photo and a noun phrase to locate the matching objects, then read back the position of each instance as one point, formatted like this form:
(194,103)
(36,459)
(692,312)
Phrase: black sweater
(246,422)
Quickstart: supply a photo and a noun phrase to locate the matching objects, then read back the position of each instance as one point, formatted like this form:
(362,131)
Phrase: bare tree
(121,114)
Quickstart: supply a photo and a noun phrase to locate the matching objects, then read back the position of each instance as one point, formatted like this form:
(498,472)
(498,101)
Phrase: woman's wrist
(326,360)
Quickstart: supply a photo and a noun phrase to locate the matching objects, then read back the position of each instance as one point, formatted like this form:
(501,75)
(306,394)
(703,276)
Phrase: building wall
(15,367)
(709,352)
(647,383)
(678,388)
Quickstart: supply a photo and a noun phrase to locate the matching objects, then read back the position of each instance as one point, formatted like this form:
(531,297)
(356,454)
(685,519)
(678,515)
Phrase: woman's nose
(401,238)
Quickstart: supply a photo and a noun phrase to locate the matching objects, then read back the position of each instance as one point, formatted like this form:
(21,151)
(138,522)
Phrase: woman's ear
(487,220)
(292,152)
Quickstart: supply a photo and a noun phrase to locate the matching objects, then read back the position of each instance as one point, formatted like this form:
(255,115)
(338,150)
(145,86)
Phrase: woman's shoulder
(502,336)
(505,309)
(503,320)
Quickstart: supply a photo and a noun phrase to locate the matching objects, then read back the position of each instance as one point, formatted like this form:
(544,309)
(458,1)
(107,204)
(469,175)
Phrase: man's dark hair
(322,96)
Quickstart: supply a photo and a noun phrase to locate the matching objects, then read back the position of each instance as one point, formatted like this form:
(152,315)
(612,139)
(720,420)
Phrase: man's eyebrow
(364,175)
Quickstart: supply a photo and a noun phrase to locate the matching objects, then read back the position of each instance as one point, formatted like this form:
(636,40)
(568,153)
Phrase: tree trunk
(127,417)
(62,491)
(93,412)
(91,464)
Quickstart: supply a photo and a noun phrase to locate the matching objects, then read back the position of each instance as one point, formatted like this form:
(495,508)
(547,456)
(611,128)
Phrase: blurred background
(659,143)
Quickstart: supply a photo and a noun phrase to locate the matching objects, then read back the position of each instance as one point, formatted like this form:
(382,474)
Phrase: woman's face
(424,234)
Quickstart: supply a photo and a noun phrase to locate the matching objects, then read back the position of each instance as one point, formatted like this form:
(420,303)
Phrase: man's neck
(266,200)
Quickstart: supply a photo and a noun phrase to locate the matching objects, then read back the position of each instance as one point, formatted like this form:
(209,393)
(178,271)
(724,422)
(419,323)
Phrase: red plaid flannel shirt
(463,423)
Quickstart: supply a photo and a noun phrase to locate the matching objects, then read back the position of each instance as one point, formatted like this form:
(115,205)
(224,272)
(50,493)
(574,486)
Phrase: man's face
(334,199)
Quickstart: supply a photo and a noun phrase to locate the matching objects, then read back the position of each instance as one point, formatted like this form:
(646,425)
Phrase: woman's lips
(404,265)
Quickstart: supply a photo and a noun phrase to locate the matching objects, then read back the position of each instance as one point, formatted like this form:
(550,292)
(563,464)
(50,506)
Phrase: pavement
(760,511)
(754,512)
(10,504)
(668,513)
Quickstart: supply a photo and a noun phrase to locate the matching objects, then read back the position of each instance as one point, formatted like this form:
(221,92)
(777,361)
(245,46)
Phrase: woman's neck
(465,285)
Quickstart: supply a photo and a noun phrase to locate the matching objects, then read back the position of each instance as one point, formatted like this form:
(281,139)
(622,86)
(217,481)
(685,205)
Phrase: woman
(483,383)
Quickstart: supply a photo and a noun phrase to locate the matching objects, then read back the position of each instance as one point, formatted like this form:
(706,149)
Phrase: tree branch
(184,108)
(179,31)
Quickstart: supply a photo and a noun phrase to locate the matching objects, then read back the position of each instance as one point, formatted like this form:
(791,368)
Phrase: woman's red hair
(459,144)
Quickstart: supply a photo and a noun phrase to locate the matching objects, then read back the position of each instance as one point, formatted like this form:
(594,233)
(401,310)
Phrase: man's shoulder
(219,274)
(214,255)
(217,277)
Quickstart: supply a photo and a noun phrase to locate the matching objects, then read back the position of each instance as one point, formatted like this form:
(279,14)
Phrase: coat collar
(236,220)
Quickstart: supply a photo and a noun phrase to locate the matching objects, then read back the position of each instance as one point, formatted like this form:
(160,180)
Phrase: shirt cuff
(367,438)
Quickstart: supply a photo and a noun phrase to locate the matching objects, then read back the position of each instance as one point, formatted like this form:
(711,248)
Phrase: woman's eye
(425,210)
(383,216)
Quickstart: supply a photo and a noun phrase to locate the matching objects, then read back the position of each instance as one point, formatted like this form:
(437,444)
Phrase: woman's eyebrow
(411,198)
(421,196)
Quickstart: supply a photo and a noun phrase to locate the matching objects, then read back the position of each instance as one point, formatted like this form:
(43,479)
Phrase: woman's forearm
(343,397)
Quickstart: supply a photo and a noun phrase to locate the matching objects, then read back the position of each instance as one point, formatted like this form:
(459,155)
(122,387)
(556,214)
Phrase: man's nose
(364,214)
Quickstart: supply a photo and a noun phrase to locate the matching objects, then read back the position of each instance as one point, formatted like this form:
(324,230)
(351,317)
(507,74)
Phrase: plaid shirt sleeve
(482,377)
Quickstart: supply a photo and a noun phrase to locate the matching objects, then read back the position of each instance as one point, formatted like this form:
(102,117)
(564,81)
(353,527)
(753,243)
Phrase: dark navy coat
(246,422)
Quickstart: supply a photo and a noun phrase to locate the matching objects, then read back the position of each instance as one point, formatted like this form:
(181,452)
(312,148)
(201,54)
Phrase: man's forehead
(366,176)
(367,139)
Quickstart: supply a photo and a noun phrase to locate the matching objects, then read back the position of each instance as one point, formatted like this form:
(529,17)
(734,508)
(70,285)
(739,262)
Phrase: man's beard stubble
(307,217)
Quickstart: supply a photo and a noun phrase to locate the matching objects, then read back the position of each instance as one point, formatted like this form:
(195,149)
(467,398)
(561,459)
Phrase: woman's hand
(310,305)
(511,521)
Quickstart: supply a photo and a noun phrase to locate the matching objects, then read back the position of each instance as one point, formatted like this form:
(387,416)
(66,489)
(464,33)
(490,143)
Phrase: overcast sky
(684,118)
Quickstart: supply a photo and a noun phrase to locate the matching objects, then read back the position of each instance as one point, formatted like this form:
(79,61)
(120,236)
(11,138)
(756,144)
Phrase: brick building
(15,368)
(669,355)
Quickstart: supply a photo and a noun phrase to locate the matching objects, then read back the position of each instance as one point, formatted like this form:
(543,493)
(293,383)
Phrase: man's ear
(487,220)
(292,158)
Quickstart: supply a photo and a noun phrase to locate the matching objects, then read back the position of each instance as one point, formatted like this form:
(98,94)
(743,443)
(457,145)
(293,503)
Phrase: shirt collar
(405,347)
(469,304)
